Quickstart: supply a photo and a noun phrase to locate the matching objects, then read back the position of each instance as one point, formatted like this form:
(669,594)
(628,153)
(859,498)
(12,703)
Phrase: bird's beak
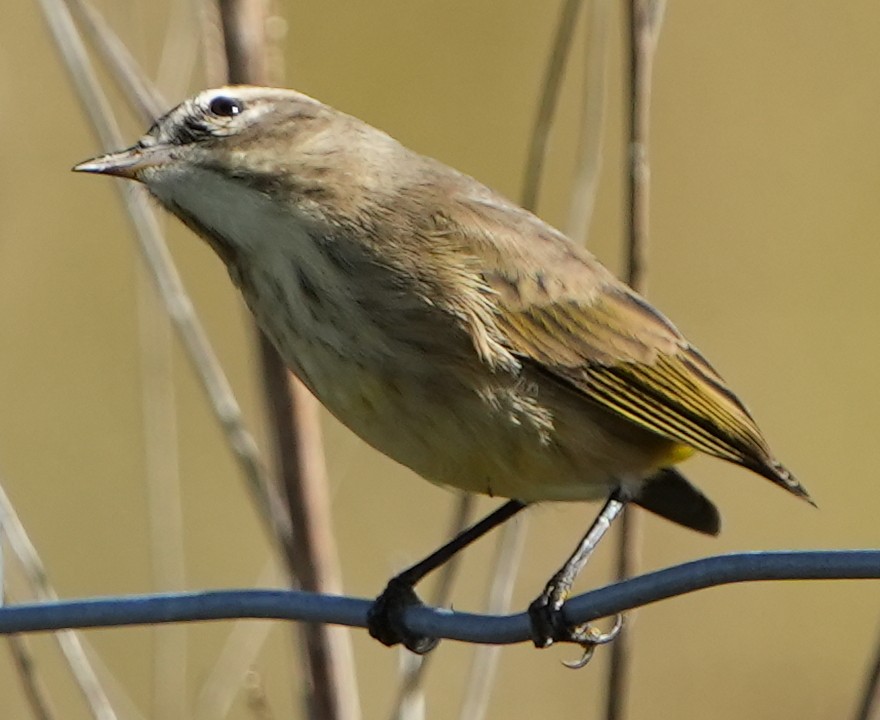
(128,163)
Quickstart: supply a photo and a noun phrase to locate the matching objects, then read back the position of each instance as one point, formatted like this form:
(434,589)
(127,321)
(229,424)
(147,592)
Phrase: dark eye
(225,106)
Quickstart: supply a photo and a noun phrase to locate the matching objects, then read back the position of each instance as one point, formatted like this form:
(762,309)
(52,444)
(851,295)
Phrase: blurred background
(764,250)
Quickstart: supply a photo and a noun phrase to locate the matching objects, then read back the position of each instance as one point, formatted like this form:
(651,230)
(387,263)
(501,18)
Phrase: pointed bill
(128,163)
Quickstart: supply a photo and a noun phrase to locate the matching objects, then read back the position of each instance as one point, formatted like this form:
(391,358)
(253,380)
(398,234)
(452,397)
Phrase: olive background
(764,250)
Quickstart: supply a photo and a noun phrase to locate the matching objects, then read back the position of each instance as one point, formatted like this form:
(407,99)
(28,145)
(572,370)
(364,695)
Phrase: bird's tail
(777,473)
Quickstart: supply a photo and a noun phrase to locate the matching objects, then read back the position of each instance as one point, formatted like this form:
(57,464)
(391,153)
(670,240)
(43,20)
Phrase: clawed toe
(385,618)
(549,626)
(589,638)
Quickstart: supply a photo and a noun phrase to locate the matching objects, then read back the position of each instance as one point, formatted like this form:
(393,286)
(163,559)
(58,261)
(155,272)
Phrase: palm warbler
(452,330)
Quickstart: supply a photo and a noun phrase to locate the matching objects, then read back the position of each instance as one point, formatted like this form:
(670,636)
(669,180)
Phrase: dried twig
(313,561)
(413,669)
(547,106)
(68,640)
(141,94)
(213,44)
(585,185)
(257,702)
(158,260)
(294,422)
(169,695)
(644,20)
(161,266)
(162,476)
(512,541)
(869,705)
(180,51)
(244,36)
(484,665)
(34,690)
(180,309)
(230,670)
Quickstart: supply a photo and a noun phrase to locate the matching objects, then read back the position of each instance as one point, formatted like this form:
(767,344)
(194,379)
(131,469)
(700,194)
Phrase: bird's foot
(385,618)
(549,626)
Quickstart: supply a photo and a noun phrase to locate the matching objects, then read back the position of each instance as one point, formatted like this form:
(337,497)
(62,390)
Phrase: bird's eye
(223,106)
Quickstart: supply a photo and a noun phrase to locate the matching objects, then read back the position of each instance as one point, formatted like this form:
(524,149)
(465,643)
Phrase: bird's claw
(549,626)
(385,618)
(589,638)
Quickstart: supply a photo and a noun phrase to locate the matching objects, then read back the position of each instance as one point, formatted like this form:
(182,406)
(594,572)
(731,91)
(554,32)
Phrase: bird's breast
(389,363)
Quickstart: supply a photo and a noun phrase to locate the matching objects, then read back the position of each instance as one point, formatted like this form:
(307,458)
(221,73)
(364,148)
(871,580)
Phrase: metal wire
(492,629)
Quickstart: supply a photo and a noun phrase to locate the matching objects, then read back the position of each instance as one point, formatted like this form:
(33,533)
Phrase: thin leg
(548,623)
(385,618)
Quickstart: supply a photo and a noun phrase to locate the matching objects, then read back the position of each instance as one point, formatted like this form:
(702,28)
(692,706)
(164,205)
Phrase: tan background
(765,220)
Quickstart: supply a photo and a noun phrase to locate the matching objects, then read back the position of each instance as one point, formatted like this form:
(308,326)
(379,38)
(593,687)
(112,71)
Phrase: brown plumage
(451,329)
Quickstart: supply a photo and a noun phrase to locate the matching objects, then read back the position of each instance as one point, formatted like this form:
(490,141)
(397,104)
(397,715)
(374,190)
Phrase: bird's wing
(621,353)
(557,308)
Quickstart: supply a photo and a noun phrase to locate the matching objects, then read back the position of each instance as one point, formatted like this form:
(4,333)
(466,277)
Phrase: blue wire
(468,627)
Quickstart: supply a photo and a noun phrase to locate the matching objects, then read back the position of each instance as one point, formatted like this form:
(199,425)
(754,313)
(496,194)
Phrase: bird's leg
(548,623)
(385,617)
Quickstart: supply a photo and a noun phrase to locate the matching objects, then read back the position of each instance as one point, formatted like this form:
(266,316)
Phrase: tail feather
(777,473)
(668,494)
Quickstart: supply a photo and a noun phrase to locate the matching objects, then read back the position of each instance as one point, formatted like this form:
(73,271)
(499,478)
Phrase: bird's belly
(508,445)
(428,402)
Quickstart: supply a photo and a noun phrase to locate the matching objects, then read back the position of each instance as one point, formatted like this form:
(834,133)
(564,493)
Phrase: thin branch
(35,693)
(411,703)
(255,694)
(869,707)
(244,37)
(162,479)
(165,509)
(294,421)
(123,703)
(213,44)
(180,51)
(510,543)
(484,664)
(155,252)
(585,185)
(69,642)
(4,582)
(179,306)
(417,665)
(141,95)
(243,644)
(551,84)
(645,18)
(645,22)
(465,627)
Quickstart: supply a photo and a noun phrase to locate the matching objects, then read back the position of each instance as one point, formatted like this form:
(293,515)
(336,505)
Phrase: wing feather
(557,308)
(637,365)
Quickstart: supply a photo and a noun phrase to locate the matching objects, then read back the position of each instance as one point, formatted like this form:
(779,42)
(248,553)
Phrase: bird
(454,331)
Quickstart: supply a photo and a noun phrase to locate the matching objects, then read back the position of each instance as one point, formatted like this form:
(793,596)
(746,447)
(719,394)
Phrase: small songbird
(452,330)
